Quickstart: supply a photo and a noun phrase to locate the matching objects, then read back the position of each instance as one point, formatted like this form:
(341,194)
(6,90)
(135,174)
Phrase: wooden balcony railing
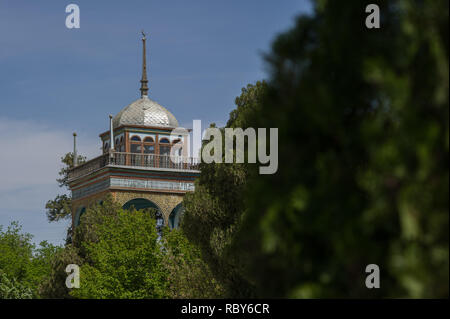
(135,160)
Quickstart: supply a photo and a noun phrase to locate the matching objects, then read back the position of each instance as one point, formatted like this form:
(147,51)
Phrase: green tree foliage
(54,285)
(22,265)
(214,211)
(188,276)
(121,255)
(12,289)
(363,161)
(61,207)
(125,259)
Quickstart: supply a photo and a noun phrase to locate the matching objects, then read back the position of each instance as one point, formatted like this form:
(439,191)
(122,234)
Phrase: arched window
(135,145)
(175,216)
(149,145)
(122,145)
(149,151)
(164,146)
(106,147)
(117,145)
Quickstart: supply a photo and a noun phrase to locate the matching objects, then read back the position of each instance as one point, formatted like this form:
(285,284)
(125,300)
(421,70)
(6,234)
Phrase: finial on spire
(75,155)
(144,81)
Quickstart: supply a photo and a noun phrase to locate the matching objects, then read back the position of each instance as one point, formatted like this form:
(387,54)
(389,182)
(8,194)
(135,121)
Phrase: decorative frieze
(90,189)
(151,184)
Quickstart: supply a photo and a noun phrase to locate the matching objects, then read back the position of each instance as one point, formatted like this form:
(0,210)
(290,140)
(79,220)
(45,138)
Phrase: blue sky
(55,80)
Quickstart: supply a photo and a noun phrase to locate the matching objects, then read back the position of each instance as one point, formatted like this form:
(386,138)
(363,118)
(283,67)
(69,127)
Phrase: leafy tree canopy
(22,265)
(121,255)
(363,162)
(61,207)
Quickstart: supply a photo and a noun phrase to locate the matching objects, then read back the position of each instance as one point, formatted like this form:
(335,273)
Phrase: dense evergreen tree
(363,162)
(214,211)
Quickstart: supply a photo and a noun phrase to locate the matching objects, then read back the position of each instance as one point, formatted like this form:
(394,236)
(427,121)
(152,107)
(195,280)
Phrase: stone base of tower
(166,202)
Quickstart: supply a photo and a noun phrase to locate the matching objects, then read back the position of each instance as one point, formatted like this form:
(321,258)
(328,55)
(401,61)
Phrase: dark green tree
(214,211)
(188,276)
(61,207)
(363,162)
(363,148)
(23,266)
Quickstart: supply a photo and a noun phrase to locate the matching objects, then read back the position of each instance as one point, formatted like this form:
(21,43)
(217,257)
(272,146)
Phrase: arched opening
(106,147)
(164,146)
(135,144)
(78,214)
(139,203)
(164,152)
(142,203)
(175,216)
(148,139)
(149,151)
(122,145)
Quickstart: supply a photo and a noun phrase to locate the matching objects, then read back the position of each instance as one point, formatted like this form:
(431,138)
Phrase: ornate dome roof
(145,112)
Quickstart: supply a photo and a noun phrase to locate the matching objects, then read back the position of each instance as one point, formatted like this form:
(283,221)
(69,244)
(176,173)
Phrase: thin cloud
(29,164)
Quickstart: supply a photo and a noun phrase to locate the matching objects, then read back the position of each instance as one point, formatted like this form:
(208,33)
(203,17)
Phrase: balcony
(135,160)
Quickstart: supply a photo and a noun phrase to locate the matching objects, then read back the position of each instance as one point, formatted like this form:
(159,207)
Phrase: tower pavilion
(135,166)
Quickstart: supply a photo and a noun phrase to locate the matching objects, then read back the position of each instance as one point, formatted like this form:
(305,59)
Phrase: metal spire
(75,155)
(144,81)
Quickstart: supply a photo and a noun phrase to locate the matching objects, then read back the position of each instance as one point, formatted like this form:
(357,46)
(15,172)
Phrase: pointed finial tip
(74,134)
(144,81)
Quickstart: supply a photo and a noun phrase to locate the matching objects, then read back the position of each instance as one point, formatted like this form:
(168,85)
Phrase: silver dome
(145,112)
